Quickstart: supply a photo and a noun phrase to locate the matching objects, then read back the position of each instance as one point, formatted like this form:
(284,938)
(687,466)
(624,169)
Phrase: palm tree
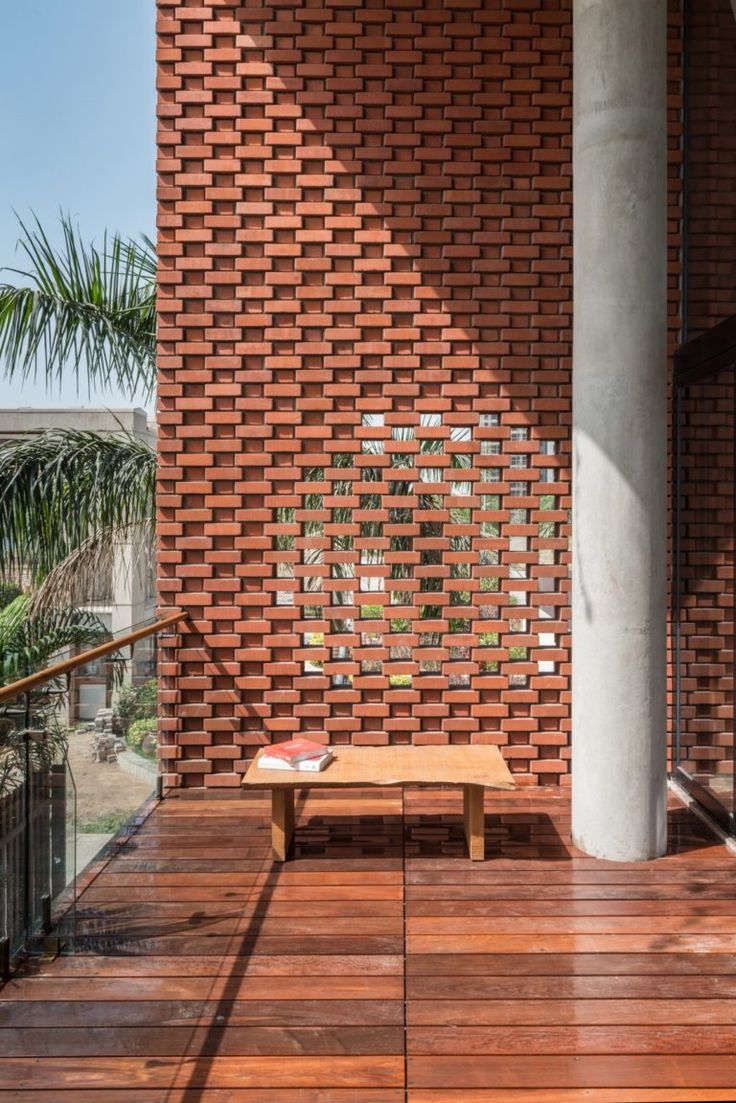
(80,308)
(69,498)
(28,639)
(68,501)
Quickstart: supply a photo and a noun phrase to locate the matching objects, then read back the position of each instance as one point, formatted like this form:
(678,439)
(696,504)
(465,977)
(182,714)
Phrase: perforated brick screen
(365,237)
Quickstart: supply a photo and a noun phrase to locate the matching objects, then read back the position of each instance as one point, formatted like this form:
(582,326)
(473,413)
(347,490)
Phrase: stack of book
(298,754)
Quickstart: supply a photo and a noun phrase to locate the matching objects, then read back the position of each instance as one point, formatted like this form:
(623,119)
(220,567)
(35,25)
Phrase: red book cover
(296,750)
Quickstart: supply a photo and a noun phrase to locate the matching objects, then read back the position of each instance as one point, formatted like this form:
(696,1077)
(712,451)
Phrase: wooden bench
(475,768)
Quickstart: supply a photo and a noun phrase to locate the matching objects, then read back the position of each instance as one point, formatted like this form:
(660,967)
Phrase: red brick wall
(365,238)
(706,580)
(707,425)
(711,163)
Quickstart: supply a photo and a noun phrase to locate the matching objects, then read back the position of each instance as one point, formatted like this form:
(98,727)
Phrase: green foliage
(138,731)
(8,593)
(67,499)
(372,612)
(126,704)
(137,702)
(148,698)
(61,489)
(109,824)
(29,640)
(76,306)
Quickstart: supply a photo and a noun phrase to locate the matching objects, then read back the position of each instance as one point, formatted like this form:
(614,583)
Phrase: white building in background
(128,597)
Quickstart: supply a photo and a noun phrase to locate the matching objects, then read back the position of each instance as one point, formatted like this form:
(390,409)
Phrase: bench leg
(474,820)
(282,822)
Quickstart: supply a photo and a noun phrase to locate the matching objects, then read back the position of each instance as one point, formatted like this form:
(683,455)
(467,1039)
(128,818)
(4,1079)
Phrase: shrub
(147,699)
(143,731)
(136,703)
(125,705)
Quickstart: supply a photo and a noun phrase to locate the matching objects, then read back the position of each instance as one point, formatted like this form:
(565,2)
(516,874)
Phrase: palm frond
(60,488)
(12,617)
(80,308)
(28,640)
(87,575)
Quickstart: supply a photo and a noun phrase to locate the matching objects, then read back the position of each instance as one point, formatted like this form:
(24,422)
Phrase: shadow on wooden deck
(380,965)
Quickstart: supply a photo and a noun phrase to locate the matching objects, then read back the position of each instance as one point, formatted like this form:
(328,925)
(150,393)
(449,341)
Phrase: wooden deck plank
(577,1040)
(572,1071)
(572,943)
(142,987)
(214,945)
(73,1094)
(634,1094)
(310,910)
(568,1012)
(227,965)
(267,925)
(480,926)
(257,878)
(209,974)
(105,891)
(573,988)
(211,1041)
(501,909)
(303,1011)
(431,966)
(262,1073)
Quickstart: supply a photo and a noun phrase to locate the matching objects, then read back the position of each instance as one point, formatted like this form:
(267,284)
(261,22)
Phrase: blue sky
(77,131)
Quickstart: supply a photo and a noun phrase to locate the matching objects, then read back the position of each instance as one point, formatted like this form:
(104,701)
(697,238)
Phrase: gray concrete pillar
(619,428)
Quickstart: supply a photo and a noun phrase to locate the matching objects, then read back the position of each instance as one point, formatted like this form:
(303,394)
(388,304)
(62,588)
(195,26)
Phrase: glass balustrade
(78,765)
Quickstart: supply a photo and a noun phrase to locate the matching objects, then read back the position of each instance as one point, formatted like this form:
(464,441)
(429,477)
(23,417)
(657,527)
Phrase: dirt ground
(104,792)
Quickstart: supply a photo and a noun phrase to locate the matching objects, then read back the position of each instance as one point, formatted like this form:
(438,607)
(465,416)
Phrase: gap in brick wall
(415,559)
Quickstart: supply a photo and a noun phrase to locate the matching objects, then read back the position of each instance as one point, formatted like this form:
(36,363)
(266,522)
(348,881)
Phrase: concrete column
(619,428)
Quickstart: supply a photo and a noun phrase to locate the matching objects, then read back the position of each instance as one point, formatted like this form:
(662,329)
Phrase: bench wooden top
(475,764)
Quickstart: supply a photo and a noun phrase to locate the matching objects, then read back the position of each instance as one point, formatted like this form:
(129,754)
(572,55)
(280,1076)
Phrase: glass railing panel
(78,763)
(36,813)
(111,727)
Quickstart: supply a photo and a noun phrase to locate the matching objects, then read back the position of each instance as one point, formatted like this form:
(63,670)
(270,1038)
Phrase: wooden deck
(381,965)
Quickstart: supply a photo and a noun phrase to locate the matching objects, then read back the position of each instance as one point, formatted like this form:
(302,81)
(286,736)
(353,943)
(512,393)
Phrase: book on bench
(301,755)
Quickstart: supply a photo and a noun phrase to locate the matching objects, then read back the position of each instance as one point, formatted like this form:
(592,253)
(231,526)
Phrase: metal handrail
(7,693)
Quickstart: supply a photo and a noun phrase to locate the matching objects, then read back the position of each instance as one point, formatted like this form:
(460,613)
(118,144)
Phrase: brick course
(364,400)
